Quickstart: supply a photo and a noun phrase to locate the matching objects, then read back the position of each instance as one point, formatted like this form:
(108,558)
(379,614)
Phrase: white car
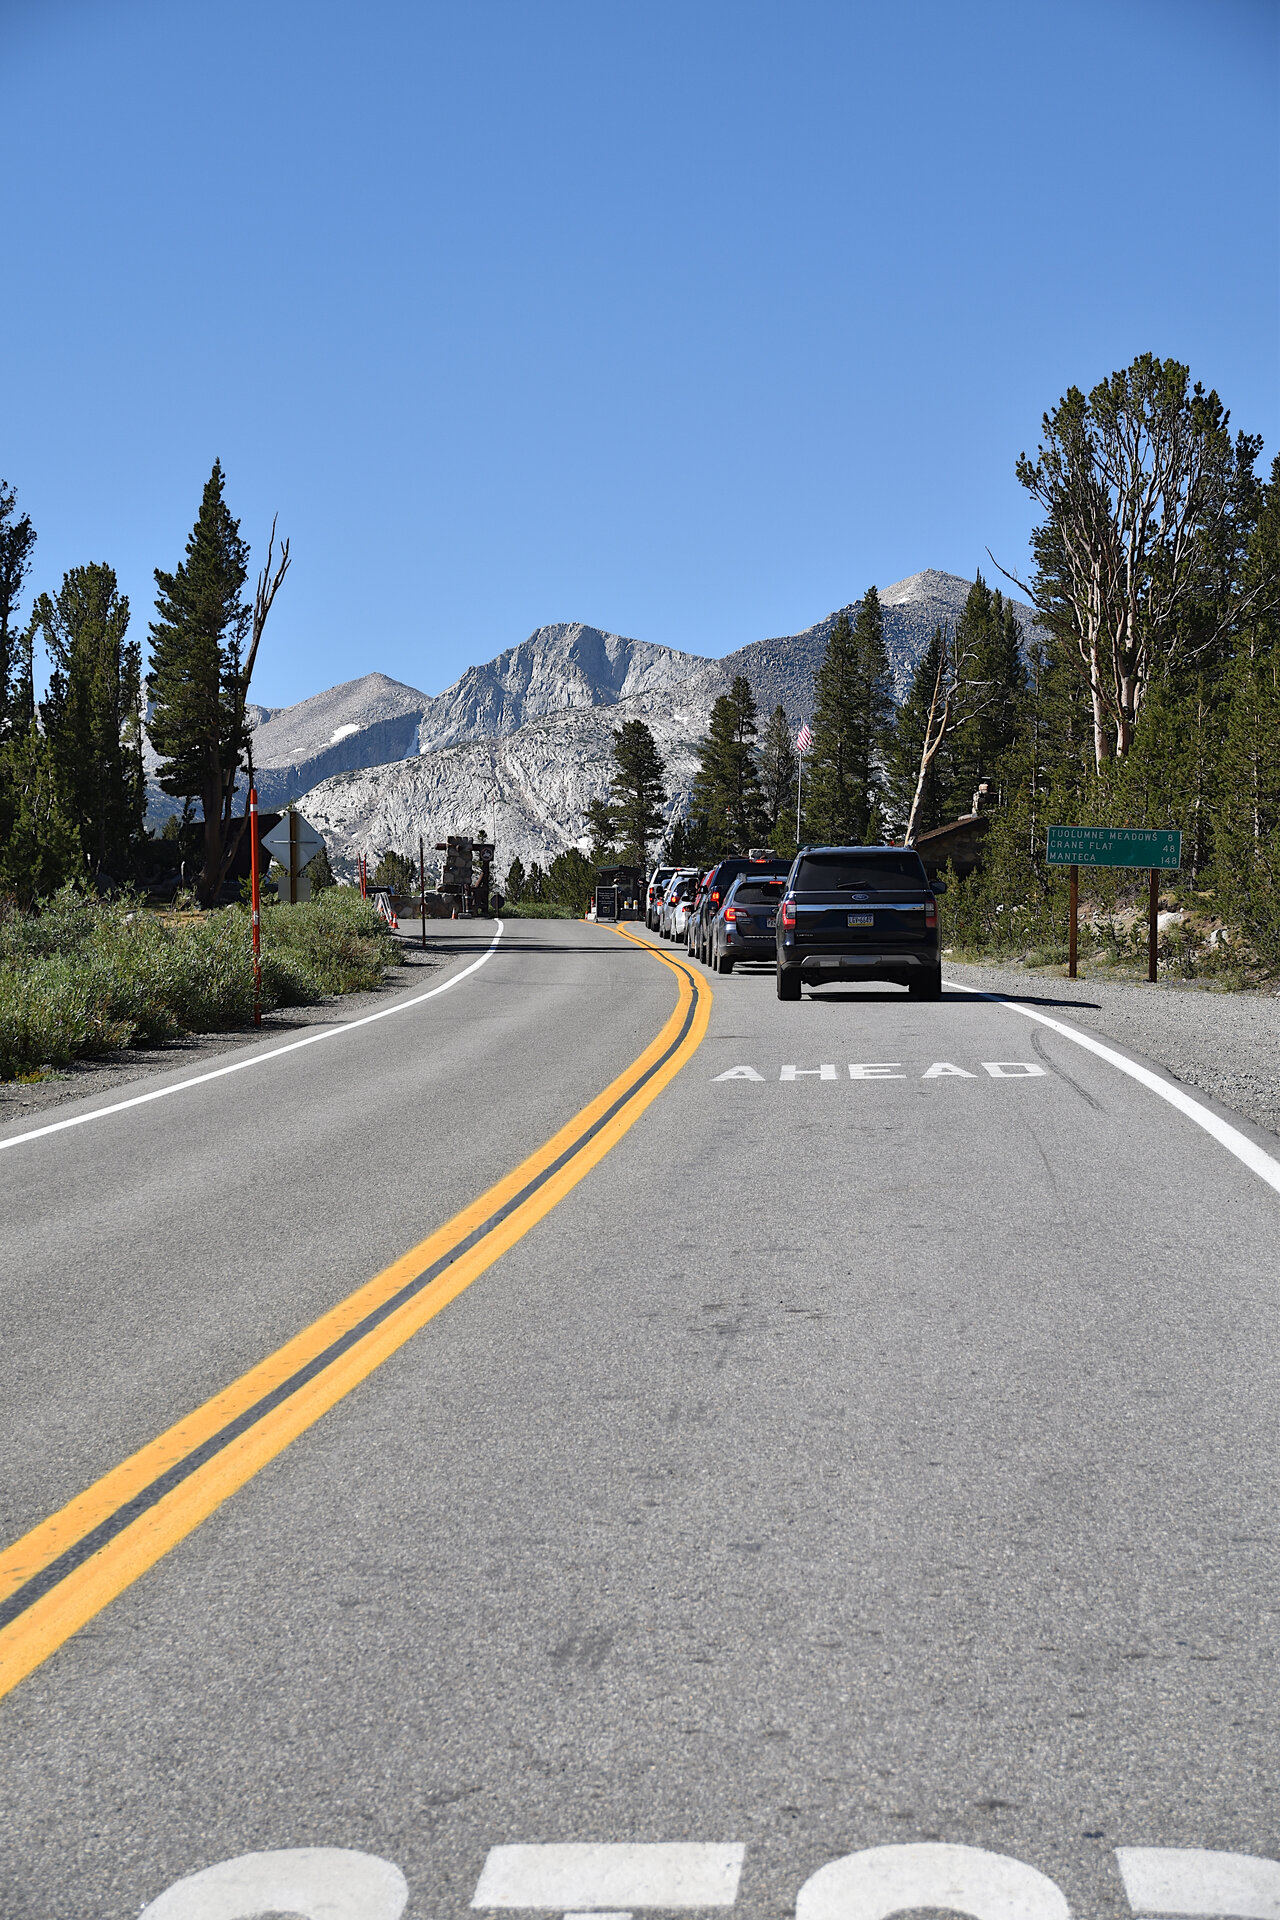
(675,903)
(659,880)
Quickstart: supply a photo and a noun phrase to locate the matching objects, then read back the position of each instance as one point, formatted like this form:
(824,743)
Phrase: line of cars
(831,915)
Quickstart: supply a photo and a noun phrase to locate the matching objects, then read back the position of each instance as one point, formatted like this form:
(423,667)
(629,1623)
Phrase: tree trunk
(1102,738)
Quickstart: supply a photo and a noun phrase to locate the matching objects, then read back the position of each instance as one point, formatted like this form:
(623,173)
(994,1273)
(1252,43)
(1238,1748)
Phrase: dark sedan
(858,913)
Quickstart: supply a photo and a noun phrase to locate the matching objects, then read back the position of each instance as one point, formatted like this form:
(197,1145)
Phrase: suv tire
(928,987)
(788,983)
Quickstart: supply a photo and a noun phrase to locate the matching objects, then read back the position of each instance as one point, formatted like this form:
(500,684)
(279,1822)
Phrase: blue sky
(688,320)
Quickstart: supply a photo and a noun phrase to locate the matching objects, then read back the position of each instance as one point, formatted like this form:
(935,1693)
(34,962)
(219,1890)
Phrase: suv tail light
(731,914)
(931,913)
(715,898)
(788,913)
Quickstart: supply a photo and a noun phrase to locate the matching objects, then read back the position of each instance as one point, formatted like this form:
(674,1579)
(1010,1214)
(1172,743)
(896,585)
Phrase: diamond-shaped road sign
(303,844)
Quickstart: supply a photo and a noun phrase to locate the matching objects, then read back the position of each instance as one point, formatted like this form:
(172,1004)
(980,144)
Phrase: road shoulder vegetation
(86,977)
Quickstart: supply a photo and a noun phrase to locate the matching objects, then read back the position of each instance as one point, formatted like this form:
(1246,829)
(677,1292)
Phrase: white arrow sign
(305,841)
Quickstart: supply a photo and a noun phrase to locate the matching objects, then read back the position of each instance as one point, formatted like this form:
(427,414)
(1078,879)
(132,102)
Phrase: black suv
(860,913)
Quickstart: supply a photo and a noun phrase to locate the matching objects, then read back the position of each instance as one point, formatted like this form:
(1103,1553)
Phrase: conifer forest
(1147,693)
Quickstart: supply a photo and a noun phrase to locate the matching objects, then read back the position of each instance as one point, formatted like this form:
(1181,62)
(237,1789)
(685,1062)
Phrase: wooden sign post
(1157,848)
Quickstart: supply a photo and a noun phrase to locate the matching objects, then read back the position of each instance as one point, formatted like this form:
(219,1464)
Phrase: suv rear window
(833,872)
(757,893)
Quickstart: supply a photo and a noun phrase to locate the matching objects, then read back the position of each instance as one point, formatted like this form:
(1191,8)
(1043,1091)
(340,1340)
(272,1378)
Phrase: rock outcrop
(556,669)
(529,790)
(523,743)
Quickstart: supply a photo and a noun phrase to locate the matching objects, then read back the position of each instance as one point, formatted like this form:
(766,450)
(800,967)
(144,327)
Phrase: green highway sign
(1114,847)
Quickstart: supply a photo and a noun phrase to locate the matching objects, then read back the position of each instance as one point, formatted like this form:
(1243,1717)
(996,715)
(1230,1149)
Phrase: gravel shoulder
(1225,1044)
(84,1078)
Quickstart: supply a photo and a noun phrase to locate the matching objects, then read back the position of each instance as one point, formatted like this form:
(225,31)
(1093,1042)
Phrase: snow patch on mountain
(373,726)
(521,745)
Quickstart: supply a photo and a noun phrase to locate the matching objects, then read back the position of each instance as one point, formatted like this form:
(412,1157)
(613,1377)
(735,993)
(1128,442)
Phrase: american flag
(804,739)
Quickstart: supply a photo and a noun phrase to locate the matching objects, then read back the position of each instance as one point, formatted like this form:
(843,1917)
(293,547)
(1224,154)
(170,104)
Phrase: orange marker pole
(256,915)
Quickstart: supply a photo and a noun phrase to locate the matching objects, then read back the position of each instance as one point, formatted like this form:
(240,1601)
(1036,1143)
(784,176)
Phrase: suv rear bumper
(883,966)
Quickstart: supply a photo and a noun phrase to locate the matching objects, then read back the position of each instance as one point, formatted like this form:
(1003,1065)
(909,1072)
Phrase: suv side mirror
(937,886)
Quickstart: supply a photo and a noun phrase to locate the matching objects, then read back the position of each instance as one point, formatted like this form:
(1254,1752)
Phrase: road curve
(876,1449)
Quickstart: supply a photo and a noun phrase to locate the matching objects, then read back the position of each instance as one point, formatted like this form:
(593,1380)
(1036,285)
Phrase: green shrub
(336,939)
(85,976)
(540,910)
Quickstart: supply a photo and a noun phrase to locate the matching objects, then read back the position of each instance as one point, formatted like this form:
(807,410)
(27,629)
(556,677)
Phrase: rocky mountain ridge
(528,789)
(523,744)
(376,762)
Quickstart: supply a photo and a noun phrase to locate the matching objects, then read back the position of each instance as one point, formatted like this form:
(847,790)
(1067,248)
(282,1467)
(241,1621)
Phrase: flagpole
(804,740)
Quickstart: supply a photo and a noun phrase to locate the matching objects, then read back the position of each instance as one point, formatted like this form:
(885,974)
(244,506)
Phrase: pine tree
(319,871)
(93,713)
(22,685)
(690,844)
(571,880)
(726,787)
(1246,842)
(602,826)
(17,538)
(639,791)
(853,711)
(989,641)
(515,883)
(198,724)
(17,687)
(39,845)
(399,871)
(778,772)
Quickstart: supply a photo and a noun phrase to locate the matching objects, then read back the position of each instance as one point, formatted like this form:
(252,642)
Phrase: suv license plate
(862,919)
(772,921)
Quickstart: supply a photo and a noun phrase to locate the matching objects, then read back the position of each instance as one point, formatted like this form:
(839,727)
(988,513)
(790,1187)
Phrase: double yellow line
(62,1573)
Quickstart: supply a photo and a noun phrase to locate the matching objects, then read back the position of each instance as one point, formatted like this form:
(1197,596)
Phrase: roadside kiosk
(618,893)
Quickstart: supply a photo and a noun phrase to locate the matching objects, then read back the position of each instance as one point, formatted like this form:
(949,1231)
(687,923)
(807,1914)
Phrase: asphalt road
(861,1455)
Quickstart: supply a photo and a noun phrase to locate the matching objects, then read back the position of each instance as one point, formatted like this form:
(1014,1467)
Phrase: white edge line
(254,1059)
(1253,1156)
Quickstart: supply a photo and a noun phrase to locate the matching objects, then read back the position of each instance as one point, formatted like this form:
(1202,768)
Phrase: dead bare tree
(1140,484)
(269,580)
(955,699)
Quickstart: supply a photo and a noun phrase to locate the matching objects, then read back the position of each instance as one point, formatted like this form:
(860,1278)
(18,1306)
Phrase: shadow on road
(1035,1000)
